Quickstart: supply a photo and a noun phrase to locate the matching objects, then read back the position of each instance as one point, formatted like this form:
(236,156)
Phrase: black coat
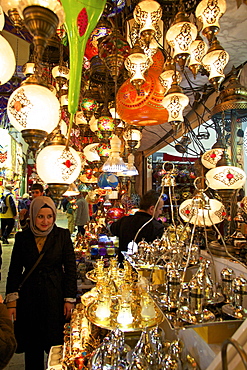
(40,305)
(127,227)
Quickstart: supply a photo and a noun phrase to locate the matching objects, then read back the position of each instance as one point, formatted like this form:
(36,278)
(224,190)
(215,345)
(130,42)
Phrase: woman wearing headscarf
(45,299)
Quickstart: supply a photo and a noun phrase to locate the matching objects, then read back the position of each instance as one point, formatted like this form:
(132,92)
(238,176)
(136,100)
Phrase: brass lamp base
(57,190)
(42,23)
(34,138)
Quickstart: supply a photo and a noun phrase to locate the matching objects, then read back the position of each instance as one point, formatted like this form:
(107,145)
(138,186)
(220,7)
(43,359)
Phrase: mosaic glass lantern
(102,29)
(88,106)
(209,12)
(107,181)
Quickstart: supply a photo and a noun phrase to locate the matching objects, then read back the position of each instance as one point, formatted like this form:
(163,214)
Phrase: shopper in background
(24,202)
(70,214)
(81,213)
(45,299)
(7,337)
(127,227)
(8,218)
(37,190)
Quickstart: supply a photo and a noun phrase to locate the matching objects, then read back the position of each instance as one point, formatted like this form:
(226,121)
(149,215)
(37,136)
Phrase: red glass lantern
(115,213)
(145,108)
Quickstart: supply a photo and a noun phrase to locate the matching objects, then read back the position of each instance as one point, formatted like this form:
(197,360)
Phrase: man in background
(36,191)
(81,213)
(8,218)
(127,228)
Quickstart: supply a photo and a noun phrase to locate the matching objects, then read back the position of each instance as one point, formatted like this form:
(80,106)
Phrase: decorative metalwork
(174,107)
(184,38)
(212,11)
(220,63)
(19,107)
(67,163)
(200,51)
(220,213)
(228,177)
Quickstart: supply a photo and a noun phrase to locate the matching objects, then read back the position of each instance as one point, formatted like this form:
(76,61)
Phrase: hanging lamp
(114,163)
(214,62)
(58,165)
(209,12)
(198,49)
(180,36)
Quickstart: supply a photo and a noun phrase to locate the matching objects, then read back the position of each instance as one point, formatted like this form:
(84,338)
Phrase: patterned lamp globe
(169,73)
(88,106)
(58,166)
(214,62)
(213,214)
(211,157)
(147,14)
(198,49)
(209,13)
(175,101)
(180,36)
(226,177)
(34,110)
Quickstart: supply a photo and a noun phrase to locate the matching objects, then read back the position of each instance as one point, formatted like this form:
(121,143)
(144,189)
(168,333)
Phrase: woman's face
(44,219)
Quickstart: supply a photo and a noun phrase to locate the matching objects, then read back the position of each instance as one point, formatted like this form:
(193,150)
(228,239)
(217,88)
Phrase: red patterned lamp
(58,165)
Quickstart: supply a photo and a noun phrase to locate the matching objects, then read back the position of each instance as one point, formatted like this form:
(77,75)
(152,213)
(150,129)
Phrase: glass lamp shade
(7,61)
(64,100)
(199,216)
(147,14)
(114,163)
(80,119)
(33,107)
(180,36)
(113,50)
(107,180)
(89,104)
(93,124)
(211,157)
(72,191)
(58,165)
(2,19)
(115,213)
(198,49)
(53,5)
(60,72)
(106,123)
(28,69)
(132,134)
(215,61)
(137,64)
(226,177)
(91,153)
(145,108)
(102,29)
(209,13)
(175,104)
(167,77)
(104,150)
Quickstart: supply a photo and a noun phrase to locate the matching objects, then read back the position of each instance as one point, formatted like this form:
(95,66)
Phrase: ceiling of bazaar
(232,37)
